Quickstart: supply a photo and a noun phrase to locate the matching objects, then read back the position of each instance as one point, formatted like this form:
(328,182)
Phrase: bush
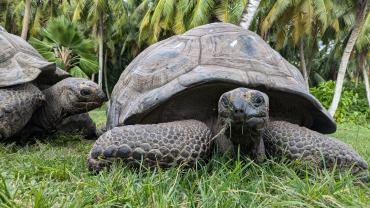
(353,106)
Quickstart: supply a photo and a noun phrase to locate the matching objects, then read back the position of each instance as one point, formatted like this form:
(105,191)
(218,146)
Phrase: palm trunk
(303,62)
(365,75)
(345,57)
(101,61)
(105,75)
(357,77)
(248,13)
(26,19)
(312,52)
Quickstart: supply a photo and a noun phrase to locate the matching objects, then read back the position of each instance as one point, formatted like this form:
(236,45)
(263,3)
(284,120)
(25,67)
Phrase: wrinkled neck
(242,134)
(247,140)
(51,113)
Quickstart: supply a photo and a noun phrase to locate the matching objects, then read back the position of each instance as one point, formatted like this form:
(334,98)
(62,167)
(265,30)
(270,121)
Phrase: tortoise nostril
(239,111)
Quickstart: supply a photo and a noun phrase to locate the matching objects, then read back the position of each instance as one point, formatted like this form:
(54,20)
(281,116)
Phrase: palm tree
(248,13)
(231,11)
(363,69)
(365,74)
(26,19)
(97,13)
(63,43)
(361,6)
(362,47)
(297,24)
(10,17)
(44,10)
(164,18)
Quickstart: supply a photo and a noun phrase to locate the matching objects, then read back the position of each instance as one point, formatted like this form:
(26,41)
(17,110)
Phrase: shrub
(353,106)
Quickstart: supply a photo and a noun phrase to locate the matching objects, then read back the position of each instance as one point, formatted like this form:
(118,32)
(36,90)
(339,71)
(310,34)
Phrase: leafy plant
(63,43)
(353,107)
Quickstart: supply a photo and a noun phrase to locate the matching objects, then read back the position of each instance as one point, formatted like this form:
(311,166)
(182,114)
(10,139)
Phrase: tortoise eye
(258,100)
(225,101)
(85,92)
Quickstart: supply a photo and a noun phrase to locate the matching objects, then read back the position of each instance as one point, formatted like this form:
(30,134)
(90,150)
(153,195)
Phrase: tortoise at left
(35,95)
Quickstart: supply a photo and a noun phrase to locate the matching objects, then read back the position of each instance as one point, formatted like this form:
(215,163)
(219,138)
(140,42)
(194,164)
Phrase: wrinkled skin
(68,97)
(246,113)
(43,111)
(244,122)
(79,123)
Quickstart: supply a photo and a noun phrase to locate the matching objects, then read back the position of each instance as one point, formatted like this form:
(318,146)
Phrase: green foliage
(131,25)
(63,43)
(164,18)
(11,15)
(353,107)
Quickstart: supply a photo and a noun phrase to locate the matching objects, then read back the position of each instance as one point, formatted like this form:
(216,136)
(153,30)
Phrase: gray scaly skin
(13,113)
(68,97)
(245,112)
(299,143)
(41,112)
(79,123)
(164,144)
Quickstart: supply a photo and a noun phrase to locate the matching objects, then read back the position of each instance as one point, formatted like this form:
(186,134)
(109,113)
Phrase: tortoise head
(244,107)
(68,97)
(78,95)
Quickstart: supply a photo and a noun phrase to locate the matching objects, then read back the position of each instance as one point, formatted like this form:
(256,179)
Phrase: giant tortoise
(35,95)
(216,84)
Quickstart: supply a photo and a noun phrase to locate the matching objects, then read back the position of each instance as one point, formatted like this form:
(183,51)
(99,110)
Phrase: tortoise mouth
(88,105)
(257,123)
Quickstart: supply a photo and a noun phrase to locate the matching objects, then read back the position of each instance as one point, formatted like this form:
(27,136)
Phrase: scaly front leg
(164,144)
(299,143)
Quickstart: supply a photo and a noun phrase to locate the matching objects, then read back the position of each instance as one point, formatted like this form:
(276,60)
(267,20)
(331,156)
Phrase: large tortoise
(179,94)
(35,95)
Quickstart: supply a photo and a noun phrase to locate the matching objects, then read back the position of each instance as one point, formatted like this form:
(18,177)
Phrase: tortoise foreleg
(164,145)
(299,143)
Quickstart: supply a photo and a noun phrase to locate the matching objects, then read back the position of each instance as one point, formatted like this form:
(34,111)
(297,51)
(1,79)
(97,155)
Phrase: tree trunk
(101,51)
(303,62)
(313,50)
(333,70)
(105,75)
(357,77)
(248,13)
(26,19)
(345,57)
(365,75)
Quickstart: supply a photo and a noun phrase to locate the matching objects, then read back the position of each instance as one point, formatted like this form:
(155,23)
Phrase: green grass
(54,174)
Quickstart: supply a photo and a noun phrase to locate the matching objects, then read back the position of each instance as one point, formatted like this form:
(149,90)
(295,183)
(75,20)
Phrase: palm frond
(201,13)
(223,11)
(183,8)
(276,11)
(64,44)
(320,12)
(363,39)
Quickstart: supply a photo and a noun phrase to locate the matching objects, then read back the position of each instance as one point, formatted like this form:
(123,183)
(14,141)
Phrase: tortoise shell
(21,63)
(183,77)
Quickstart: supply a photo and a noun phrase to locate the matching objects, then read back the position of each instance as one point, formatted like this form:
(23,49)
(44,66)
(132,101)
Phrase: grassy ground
(54,174)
